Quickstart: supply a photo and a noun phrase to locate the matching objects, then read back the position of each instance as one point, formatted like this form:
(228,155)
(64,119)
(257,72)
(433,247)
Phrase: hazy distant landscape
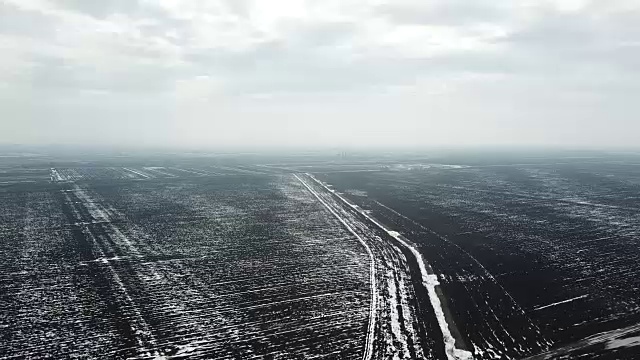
(445,255)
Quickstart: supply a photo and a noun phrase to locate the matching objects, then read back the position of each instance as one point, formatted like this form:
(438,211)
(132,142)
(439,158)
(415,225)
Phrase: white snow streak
(55,176)
(623,343)
(190,171)
(395,317)
(561,302)
(137,173)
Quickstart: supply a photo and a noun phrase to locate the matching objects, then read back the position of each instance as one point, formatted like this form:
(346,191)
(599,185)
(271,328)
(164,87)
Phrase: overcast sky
(211,73)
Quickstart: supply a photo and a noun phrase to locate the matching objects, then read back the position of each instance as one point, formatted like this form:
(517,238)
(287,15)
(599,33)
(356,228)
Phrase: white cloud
(226,64)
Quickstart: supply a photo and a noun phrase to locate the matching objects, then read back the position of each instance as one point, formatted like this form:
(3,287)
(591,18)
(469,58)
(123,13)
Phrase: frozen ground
(228,267)
(364,257)
(532,256)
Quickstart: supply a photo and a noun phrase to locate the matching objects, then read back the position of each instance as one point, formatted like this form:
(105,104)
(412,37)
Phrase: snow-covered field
(319,257)
(226,267)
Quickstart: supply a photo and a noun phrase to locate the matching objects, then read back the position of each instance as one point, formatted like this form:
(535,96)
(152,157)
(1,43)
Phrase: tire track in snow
(372,272)
(145,339)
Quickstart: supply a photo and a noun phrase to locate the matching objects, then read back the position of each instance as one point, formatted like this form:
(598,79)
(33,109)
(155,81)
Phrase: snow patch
(623,343)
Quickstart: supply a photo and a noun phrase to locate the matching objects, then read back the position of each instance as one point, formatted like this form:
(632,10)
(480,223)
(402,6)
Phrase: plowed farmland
(216,267)
(311,256)
(537,258)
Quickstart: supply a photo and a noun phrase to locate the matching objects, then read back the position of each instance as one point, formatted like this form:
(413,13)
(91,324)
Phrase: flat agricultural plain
(364,256)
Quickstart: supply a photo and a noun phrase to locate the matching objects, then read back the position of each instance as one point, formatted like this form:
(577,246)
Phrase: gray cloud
(101,9)
(453,12)
(407,72)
